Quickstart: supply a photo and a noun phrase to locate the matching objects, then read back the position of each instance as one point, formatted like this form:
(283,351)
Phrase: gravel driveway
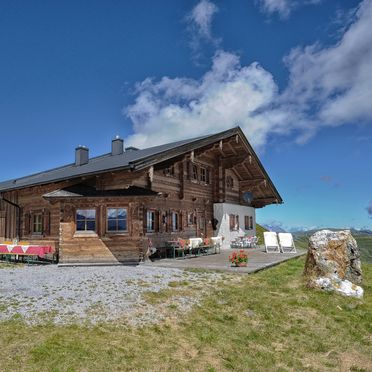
(39,294)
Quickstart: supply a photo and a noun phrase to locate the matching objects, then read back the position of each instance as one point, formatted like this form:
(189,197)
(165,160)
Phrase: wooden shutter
(46,222)
(144,220)
(157,222)
(189,173)
(27,224)
(180,221)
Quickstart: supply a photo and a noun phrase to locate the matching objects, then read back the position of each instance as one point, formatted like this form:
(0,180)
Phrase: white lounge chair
(287,243)
(217,243)
(271,242)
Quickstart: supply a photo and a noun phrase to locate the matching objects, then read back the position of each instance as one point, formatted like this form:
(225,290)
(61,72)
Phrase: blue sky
(293,74)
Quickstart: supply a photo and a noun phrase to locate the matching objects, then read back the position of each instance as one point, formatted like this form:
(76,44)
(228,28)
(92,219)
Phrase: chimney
(81,155)
(117,146)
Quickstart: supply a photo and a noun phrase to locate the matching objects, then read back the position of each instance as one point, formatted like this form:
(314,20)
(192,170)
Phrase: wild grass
(265,321)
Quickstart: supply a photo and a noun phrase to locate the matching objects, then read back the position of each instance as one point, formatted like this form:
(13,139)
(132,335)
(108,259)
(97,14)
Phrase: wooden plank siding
(178,192)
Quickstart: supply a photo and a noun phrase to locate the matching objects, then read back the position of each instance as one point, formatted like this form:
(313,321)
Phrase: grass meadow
(265,321)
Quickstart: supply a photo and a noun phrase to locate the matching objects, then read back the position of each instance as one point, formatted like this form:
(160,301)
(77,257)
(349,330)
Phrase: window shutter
(46,222)
(144,220)
(157,222)
(27,225)
(180,221)
(189,168)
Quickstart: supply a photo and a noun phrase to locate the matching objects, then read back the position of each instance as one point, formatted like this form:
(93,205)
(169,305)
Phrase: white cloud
(369,209)
(283,7)
(199,22)
(328,86)
(201,16)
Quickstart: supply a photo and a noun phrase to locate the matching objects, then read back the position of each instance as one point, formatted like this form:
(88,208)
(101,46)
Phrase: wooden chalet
(104,209)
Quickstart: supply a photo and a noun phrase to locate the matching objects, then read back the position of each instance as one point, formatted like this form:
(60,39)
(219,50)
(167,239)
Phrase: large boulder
(333,263)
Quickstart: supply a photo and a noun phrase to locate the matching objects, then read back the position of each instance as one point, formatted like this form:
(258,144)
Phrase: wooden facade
(173,197)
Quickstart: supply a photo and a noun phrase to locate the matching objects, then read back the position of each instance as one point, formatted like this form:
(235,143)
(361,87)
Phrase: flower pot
(241,264)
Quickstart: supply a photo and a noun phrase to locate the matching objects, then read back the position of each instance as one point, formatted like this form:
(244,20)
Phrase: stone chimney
(81,155)
(117,146)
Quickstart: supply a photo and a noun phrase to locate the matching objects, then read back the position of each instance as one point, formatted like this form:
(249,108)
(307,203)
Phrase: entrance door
(201,225)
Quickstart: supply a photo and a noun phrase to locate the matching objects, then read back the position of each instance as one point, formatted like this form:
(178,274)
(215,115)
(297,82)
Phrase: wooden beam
(231,161)
(251,183)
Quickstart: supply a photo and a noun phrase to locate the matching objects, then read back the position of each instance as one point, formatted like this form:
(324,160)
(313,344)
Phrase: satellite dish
(248,197)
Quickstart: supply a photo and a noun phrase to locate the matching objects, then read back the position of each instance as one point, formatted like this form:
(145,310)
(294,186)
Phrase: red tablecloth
(35,250)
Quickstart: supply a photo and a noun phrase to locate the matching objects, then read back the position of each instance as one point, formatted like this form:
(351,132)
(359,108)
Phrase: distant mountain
(273,227)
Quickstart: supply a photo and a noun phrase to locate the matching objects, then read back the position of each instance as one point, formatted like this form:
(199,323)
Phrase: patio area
(258,260)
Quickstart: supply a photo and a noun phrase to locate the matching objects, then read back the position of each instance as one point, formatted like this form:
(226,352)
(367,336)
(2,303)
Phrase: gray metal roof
(135,159)
(81,191)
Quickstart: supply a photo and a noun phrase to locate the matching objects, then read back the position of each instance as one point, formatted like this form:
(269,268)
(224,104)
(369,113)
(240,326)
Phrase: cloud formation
(283,7)
(369,209)
(199,25)
(328,86)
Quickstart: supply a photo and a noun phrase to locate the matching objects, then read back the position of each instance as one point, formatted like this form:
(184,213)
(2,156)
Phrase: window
(190,219)
(234,222)
(116,219)
(169,171)
(250,222)
(229,182)
(175,221)
(246,223)
(37,223)
(195,172)
(203,175)
(86,220)
(150,221)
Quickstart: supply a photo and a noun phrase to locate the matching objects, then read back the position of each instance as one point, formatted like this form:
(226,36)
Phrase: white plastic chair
(271,242)
(286,243)
(217,242)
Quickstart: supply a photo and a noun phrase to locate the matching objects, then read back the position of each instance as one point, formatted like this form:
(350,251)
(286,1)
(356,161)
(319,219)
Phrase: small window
(203,175)
(86,220)
(229,182)
(116,219)
(201,223)
(37,223)
(195,172)
(190,219)
(169,171)
(251,223)
(232,221)
(175,221)
(150,221)
(246,223)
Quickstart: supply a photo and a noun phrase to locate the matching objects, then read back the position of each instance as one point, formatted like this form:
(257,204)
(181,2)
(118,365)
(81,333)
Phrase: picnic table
(25,250)
(176,249)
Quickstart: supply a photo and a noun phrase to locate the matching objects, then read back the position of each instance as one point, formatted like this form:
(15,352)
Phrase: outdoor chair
(271,242)
(216,243)
(195,245)
(286,243)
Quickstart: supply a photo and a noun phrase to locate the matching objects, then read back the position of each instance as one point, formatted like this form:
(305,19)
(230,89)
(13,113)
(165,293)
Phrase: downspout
(18,215)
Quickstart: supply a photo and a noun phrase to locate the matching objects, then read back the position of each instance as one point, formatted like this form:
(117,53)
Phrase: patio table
(25,250)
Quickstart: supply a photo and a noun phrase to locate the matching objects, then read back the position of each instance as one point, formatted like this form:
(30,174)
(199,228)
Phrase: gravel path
(95,294)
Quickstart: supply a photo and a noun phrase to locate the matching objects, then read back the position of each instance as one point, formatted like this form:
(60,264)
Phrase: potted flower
(239,259)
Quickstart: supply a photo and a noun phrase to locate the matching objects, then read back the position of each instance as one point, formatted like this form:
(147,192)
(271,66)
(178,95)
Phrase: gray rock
(333,262)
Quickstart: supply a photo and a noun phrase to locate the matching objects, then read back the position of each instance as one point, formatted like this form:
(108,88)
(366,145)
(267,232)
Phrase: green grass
(365,245)
(265,321)
(259,233)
